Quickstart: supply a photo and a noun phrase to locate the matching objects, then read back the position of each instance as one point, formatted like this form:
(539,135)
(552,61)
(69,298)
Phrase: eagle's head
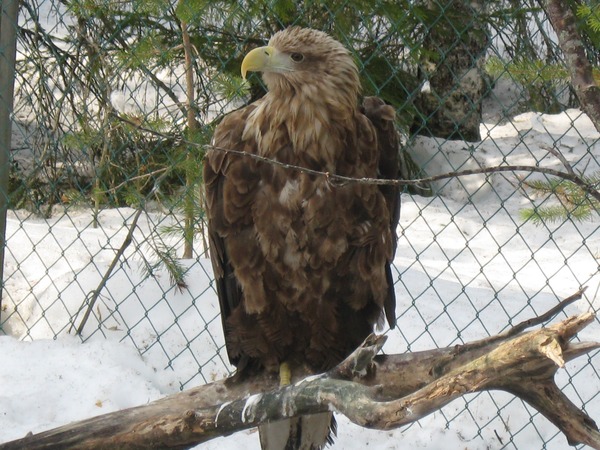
(302,61)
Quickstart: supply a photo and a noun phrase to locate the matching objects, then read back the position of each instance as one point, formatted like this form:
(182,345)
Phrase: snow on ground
(52,381)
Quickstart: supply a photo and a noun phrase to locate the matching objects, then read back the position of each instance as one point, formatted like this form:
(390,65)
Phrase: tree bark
(382,392)
(564,23)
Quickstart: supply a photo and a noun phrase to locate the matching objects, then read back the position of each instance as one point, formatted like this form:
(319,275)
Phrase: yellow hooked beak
(261,59)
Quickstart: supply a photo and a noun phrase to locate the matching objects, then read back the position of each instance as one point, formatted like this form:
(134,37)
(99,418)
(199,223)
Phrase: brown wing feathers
(315,260)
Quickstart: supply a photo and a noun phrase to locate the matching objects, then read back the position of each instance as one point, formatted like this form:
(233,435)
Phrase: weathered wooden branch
(384,392)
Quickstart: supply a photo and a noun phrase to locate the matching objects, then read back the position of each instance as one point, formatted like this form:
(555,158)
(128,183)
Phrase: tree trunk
(190,183)
(564,23)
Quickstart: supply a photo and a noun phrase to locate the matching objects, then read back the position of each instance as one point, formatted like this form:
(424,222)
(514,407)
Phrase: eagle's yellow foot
(285,374)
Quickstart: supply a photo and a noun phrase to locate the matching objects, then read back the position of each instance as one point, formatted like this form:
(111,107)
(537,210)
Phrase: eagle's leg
(310,432)
(285,374)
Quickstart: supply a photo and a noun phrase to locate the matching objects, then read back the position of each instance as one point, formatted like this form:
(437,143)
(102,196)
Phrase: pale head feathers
(313,92)
(326,66)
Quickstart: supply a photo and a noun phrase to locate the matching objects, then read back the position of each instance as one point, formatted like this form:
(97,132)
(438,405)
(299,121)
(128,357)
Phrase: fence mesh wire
(105,187)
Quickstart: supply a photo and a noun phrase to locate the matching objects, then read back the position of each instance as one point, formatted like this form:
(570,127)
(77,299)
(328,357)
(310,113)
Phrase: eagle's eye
(297,57)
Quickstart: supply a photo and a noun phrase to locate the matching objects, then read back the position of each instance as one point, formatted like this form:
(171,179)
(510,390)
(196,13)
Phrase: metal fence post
(8,47)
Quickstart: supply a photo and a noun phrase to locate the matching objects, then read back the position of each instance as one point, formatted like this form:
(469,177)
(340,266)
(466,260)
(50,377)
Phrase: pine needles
(573,202)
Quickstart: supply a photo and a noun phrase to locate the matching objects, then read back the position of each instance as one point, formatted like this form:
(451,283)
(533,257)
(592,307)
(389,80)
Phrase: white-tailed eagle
(302,264)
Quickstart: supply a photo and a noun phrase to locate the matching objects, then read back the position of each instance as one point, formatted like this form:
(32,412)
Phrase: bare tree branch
(96,292)
(341,180)
(384,392)
(548,315)
(569,175)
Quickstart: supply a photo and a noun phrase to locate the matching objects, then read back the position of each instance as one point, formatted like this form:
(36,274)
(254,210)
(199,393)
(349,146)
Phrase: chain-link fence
(115,101)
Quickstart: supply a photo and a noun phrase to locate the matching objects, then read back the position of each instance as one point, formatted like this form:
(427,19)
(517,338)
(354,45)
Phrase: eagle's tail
(299,433)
